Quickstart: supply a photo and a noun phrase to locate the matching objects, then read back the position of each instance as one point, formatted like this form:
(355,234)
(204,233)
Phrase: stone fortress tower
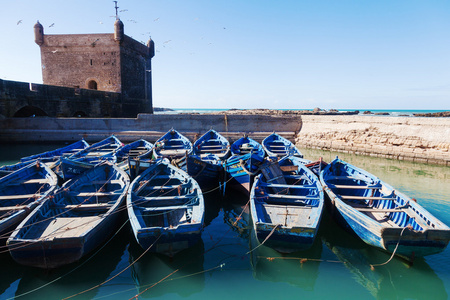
(104,62)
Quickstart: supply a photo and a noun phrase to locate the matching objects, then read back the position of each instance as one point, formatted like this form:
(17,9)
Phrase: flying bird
(19,22)
(157,19)
(123,10)
(167,41)
(53,24)
(54,51)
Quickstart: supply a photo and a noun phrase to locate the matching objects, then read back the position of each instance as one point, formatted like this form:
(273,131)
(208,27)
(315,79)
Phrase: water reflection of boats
(238,217)
(10,272)
(299,268)
(187,268)
(395,280)
(78,277)
(236,213)
(212,205)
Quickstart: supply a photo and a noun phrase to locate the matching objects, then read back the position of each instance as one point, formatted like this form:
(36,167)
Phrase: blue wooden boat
(380,215)
(173,146)
(166,209)
(277,146)
(136,150)
(21,191)
(95,154)
(212,142)
(286,210)
(243,165)
(8,169)
(205,165)
(55,154)
(82,215)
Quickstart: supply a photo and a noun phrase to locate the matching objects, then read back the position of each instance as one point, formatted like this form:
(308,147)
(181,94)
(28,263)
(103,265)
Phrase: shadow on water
(236,214)
(75,278)
(213,200)
(10,272)
(299,269)
(156,275)
(395,280)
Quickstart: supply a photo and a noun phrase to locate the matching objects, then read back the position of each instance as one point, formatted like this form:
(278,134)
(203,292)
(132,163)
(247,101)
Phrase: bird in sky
(157,19)
(53,24)
(19,22)
(123,10)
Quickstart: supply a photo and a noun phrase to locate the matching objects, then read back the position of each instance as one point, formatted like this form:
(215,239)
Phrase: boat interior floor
(289,216)
(62,227)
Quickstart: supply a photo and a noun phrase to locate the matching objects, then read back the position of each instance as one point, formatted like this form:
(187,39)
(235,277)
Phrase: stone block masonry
(423,140)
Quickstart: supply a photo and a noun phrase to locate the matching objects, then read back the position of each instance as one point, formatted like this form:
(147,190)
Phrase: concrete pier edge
(418,139)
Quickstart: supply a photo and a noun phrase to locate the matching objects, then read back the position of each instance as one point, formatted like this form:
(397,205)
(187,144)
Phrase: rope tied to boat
(409,227)
(267,237)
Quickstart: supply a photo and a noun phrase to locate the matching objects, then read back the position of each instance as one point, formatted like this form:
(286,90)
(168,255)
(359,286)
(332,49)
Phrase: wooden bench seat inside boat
(13,197)
(88,206)
(355,187)
(94,194)
(344,197)
(281,196)
(31,181)
(163,208)
(287,186)
(16,207)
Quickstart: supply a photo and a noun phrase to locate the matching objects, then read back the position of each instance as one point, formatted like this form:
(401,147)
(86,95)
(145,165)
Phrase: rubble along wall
(424,140)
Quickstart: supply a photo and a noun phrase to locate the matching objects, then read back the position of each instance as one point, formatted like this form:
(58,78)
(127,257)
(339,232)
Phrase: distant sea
(391,112)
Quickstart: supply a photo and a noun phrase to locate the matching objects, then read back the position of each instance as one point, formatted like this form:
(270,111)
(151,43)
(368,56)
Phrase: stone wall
(424,140)
(56,101)
(146,126)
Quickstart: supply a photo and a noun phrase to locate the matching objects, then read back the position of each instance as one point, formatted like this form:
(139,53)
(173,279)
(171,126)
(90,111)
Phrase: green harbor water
(226,264)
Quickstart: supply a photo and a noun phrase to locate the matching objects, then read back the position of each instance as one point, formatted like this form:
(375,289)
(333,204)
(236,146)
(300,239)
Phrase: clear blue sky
(383,54)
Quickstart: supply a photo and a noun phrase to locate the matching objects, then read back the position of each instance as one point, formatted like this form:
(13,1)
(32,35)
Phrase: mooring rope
(372,267)
(74,269)
(20,245)
(109,279)
(267,237)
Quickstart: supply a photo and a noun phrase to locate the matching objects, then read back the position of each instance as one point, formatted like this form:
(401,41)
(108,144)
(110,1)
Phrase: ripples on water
(223,266)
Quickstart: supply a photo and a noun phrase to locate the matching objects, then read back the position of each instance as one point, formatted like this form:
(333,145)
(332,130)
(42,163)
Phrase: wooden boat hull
(277,147)
(82,215)
(166,209)
(214,143)
(21,192)
(379,215)
(286,206)
(93,155)
(207,172)
(72,168)
(241,171)
(173,146)
(411,243)
(287,211)
(51,254)
(55,154)
(286,240)
(171,240)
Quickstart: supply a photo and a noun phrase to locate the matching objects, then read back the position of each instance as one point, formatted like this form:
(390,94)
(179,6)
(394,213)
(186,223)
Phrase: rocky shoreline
(265,111)
(418,139)
(442,114)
